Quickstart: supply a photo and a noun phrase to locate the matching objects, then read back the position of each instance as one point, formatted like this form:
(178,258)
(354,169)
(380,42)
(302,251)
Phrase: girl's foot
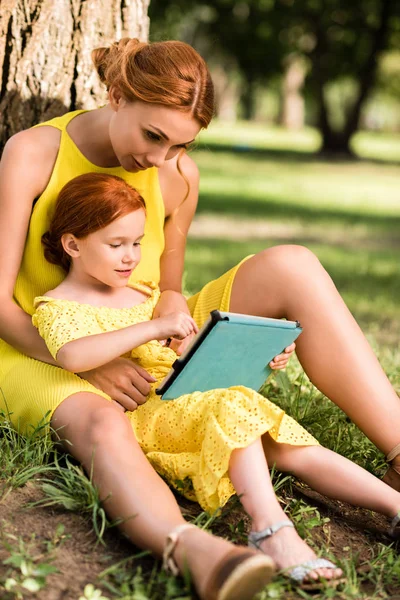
(289,551)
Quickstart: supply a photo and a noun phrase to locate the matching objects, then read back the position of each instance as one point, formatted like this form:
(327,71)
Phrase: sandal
(394,529)
(239,575)
(299,573)
(392,475)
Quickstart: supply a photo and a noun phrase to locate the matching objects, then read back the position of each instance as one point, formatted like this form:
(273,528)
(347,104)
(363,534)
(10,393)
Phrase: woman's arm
(25,170)
(93,351)
(179,214)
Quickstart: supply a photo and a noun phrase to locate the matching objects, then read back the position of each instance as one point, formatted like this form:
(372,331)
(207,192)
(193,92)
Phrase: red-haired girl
(216,442)
(160,96)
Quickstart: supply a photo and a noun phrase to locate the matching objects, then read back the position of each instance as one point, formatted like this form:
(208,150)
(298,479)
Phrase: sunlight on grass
(246,135)
(278,186)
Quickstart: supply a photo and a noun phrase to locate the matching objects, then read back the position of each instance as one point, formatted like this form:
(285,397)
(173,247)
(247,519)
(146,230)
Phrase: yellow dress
(188,440)
(31,390)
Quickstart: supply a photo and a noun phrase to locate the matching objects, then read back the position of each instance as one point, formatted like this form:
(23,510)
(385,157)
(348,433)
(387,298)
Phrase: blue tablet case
(230,349)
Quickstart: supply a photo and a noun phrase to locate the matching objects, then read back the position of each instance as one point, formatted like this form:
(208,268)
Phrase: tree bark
(45,64)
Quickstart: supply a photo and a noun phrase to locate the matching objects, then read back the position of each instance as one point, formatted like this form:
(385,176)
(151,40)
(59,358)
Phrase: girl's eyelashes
(119,245)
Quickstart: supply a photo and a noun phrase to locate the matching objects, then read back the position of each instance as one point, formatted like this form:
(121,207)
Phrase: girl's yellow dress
(188,440)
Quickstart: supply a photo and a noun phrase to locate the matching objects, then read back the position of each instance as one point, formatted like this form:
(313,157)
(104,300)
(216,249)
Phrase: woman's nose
(156,158)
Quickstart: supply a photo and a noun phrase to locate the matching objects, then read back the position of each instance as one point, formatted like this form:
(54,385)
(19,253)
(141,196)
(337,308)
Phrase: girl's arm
(93,351)
(25,169)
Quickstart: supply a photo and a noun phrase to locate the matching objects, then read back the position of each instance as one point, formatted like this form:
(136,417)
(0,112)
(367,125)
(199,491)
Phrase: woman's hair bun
(107,60)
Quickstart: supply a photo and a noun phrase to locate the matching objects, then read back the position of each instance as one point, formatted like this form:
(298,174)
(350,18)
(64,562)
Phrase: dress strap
(62,121)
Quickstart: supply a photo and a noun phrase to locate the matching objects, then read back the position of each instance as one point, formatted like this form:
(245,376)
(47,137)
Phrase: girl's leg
(333,475)
(249,473)
(289,281)
(97,433)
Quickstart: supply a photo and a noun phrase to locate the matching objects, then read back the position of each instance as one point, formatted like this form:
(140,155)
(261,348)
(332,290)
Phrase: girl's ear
(70,244)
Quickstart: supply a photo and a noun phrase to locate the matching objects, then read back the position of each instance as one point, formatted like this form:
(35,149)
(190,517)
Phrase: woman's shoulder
(33,152)
(43,141)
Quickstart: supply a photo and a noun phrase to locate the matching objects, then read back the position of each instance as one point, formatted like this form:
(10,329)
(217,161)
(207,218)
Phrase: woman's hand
(169,302)
(281,361)
(123,380)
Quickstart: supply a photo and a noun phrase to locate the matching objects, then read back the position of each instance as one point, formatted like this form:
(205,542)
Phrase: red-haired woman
(160,96)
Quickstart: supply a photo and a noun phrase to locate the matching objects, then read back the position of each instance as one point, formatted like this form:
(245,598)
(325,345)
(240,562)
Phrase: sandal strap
(393,453)
(393,525)
(169,563)
(300,572)
(256,537)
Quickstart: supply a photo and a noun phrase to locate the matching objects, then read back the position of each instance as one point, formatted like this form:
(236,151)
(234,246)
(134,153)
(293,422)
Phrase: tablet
(230,349)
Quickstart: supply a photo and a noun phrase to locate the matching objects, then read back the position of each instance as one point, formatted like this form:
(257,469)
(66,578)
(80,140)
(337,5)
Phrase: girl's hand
(280,361)
(171,301)
(177,325)
(179,346)
(123,380)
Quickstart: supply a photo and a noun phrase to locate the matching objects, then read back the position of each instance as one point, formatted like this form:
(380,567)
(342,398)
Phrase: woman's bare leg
(289,281)
(333,475)
(249,473)
(99,433)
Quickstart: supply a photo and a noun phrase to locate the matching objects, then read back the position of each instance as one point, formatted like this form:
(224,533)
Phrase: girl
(215,442)
(160,96)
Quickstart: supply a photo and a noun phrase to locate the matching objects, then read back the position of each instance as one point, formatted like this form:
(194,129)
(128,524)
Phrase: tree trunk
(292,101)
(338,142)
(368,75)
(249,98)
(45,64)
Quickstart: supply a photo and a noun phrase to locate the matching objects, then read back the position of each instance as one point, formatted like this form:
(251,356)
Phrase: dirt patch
(79,559)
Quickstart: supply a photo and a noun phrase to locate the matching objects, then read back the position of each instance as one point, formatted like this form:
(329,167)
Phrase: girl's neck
(90,132)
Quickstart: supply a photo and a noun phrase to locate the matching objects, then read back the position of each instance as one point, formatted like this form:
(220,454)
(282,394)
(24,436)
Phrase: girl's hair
(169,73)
(86,204)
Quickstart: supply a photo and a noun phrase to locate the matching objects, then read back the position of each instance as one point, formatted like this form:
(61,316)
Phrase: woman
(160,96)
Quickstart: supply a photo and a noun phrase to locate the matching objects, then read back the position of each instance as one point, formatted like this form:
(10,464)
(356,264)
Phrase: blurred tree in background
(340,52)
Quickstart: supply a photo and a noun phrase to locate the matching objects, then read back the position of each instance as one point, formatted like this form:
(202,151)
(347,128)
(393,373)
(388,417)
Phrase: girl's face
(109,255)
(146,135)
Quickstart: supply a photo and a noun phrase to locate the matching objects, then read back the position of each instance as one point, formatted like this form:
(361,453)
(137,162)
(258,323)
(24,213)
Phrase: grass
(348,213)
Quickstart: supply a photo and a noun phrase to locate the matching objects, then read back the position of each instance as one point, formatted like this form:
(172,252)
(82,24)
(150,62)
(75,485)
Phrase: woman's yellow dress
(188,440)
(30,390)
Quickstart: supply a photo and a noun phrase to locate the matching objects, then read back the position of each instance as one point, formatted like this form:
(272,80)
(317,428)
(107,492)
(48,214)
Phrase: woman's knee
(290,257)
(108,424)
(85,416)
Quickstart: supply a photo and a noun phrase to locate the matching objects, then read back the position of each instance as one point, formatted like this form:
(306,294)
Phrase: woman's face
(146,135)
